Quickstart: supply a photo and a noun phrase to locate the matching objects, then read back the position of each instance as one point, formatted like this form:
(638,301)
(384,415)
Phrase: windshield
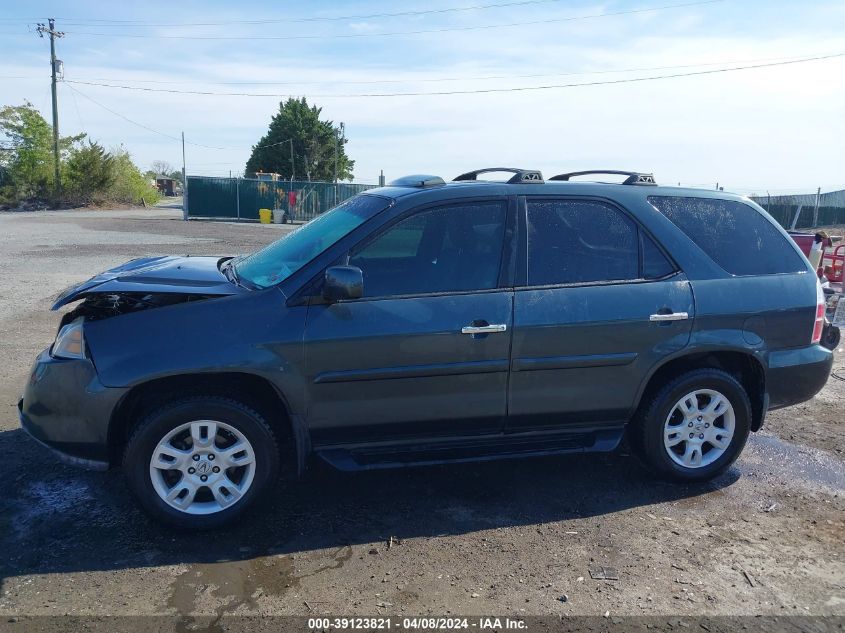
(278,261)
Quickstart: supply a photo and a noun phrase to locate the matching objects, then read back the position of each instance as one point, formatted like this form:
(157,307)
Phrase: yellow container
(265,215)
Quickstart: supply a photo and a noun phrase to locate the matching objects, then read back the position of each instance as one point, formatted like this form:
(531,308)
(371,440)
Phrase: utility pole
(335,159)
(50,28)
(342,140)
(184,183)
(291,160)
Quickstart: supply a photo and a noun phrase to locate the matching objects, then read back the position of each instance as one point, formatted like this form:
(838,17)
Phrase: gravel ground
(514,537)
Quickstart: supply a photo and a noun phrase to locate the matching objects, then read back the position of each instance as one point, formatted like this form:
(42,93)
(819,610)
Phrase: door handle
(484,329)
(672,316)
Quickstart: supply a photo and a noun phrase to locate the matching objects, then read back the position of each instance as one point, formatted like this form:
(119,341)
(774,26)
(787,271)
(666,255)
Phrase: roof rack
(519,175)
(633,177)
(417,180)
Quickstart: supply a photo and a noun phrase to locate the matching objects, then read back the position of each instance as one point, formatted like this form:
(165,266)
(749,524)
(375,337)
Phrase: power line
(125,118)
(394,33)
(366,16)
(164,134)
(438,79)
(473,91)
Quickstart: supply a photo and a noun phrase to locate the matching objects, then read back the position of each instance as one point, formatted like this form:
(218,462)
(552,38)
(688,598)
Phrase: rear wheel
(200,462)
(695,427)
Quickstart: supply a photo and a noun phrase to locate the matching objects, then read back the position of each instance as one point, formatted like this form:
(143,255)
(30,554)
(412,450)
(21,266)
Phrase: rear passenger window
(578,241)
(733,234)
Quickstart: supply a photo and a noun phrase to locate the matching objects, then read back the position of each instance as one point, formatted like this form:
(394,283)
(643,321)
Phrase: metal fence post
(816,208)
(184,183)
(184,196)
(795,219)
(238,195)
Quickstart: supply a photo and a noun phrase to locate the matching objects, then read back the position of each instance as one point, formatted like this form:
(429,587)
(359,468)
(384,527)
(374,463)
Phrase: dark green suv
(428,322)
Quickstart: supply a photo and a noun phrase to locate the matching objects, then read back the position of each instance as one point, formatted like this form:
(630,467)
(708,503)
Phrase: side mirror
(343,282)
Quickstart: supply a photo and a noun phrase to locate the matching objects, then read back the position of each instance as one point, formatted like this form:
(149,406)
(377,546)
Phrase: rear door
(425,352)
(599,303)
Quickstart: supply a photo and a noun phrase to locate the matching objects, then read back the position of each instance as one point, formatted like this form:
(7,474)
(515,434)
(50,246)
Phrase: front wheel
(695,427)
(200,462)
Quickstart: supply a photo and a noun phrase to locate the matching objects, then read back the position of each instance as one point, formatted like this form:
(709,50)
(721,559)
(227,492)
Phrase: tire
(239,461)
(662,428)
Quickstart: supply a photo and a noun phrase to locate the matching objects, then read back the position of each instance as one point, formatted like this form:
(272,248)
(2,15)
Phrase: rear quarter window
(733,234)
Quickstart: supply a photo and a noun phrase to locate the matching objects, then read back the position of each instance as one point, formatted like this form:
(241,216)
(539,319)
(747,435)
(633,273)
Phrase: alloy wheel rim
(202,467)
(699,428)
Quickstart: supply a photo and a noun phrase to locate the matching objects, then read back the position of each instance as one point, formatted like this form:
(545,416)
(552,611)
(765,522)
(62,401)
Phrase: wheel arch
(252,389)
(743,366)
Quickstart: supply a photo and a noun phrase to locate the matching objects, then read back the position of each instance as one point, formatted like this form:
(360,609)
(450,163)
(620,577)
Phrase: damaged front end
(143,284)
(98,306)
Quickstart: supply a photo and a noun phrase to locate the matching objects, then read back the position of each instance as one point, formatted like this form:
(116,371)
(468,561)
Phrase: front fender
(249,333)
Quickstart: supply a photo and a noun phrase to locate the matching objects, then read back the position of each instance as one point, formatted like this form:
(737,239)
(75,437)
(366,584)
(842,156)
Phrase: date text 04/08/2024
(415,623)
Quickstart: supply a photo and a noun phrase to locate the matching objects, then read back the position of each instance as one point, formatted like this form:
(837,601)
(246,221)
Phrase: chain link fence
(803,211)
(241,198)
(299,201)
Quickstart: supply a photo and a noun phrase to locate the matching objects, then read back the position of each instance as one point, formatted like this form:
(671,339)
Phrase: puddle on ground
(235,584)
(807,466)
(64,498)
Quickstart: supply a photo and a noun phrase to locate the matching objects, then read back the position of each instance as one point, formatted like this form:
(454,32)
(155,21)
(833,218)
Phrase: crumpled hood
(183,275)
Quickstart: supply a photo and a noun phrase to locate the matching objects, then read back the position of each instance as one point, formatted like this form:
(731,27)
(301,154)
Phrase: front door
(425,352)
(600,305)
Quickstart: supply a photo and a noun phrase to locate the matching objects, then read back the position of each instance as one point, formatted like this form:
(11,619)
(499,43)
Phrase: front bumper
(68,409)
(796,375)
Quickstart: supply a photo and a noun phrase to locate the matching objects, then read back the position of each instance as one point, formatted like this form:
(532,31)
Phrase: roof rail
(633,177)
(417,180)
(519,175)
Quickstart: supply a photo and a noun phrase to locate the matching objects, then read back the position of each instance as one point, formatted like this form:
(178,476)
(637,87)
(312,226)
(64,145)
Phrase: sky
(513,63)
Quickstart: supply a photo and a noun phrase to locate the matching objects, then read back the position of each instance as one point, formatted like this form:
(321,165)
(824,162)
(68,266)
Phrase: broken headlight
(70,342)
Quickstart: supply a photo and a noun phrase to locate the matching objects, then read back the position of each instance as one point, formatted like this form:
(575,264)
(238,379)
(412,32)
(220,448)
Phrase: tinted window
(655,263)
(445,249)
(735,235)
(577,241)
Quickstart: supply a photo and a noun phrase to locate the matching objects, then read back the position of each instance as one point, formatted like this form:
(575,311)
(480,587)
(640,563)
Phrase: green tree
(89,173)
(314,143)
(130,185)
(28,159)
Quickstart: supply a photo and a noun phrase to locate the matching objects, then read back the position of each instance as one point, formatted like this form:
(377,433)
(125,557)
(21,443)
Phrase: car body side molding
(413,371)
(573,362)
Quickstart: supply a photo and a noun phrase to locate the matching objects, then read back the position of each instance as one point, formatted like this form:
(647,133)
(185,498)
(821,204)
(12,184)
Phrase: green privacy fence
(241,198)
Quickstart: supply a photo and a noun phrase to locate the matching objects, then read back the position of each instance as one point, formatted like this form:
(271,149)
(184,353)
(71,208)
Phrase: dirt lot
(517,537)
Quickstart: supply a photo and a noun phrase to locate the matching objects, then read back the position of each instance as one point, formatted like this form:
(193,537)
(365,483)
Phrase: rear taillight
(818,324)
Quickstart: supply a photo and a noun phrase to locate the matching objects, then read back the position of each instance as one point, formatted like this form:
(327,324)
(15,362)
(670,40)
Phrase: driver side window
(443,249)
